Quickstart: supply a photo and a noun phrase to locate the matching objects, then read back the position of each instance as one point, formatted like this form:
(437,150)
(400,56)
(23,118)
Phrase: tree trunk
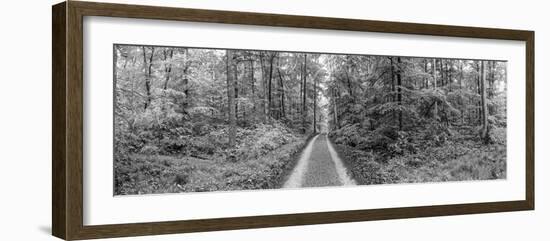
(449,68)
(442,73)
(392,70)
(147,68)
(335,108)
(167,68)
(425,83)
(461,101)
(304,99)
(231,97)
(492,80)
(300,109)
(282,90)
(236,84)
(315,105)
(485,125)
(399,95)
(264,88)
(270,109)
(185,81)
(213,103)
(426,71)
(350,89)
(253,88)
(435,88)
(479,103)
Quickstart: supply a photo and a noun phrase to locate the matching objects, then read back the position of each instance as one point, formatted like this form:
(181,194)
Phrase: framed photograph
(171,120)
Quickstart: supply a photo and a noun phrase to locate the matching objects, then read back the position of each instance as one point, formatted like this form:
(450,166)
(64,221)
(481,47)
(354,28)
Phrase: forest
(197,119)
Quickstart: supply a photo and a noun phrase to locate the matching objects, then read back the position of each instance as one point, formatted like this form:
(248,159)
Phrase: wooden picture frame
(67,123)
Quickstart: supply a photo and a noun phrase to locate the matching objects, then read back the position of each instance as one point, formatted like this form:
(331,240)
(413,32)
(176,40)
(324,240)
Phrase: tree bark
(304,99)
(461,101)
(426,71)
(231,97)
(315,105)
(236,84)
(443,72)
(485,125)
(399,95)
(167,68)
(185,81)
(300,104)
(435,87)
(479,103)
(264,88)
(282,90)
(392,70)
(449,68)
(335,105)
(147,68)
(270,109)
(253,88)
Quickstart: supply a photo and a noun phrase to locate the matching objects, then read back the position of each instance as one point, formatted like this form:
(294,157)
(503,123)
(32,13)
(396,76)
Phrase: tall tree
(335,106)
(434,76)
(230,70)
(304,99)
(484,124)
(281,90)
(147,69)
(315,104)
(479,92)
(461,99)
(399,95)
(168,55)
(265,105)
(186,66)
(270,109)
(253,87)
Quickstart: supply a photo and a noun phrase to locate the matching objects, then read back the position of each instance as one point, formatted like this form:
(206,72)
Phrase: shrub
(181,179)
(261,140)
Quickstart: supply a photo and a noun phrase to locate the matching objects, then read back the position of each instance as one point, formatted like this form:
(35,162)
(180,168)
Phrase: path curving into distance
(319,166)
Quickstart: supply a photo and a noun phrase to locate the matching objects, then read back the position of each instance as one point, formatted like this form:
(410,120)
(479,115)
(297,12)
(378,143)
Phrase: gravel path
(319,166)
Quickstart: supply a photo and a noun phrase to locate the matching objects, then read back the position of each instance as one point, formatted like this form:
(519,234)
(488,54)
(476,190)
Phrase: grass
(148,174)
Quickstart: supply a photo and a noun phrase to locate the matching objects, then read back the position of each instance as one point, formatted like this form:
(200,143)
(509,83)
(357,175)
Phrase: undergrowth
(259,160)
(433,154)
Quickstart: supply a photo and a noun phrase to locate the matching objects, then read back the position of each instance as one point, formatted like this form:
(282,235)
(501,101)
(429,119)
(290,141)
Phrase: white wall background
(25,120)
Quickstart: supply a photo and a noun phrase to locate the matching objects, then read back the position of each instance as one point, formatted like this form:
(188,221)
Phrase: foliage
(192,119)
(453,160)
(147,173)
(399,119)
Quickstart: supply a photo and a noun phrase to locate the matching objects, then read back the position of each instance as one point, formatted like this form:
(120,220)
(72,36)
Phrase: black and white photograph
(269,120)
(192,119)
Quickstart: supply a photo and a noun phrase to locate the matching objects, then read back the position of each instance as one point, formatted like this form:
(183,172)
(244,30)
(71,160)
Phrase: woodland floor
(147,174)
(461,157)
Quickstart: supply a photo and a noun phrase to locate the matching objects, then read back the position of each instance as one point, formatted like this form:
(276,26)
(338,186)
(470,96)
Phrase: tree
(180,89)
(231,105)
(399,95)
(304,93)
(434,76)
(281,90)
(147,68)
(253,86)
(315,104)
(484,123)
(168,55)
(185,70)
